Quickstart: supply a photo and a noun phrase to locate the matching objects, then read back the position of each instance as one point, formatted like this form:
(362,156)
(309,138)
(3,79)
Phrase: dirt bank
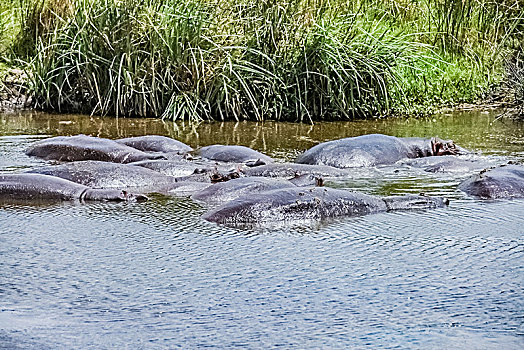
(13,95)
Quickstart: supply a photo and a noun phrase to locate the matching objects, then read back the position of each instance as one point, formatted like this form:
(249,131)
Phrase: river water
(154,275)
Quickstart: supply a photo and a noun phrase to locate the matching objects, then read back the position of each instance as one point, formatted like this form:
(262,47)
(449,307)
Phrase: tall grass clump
(515,81)
(470,39)
(24,22)
(299,60)
(129,58)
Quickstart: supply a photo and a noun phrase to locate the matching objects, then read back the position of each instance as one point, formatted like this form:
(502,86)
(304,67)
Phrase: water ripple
(155,275)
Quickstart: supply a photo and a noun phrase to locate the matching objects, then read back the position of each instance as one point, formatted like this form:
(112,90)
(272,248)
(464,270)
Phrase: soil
(13,95)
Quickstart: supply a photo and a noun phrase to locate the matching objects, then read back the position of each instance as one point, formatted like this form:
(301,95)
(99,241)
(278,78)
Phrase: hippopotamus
(306,204)
(502,182)
(82,147)
(374,149)
(98,174)
(18,187)
(226,191)
(156,143)
(211,177)
(182,167)
(291,170)
(447,164)
(307,180)
(188,188)
(235,154)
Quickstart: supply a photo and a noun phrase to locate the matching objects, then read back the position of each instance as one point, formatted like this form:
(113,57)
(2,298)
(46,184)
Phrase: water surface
(154,275)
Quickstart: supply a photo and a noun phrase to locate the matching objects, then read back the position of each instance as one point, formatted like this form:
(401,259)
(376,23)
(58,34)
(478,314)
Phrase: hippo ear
(436,145)
(448,147)
(452,148)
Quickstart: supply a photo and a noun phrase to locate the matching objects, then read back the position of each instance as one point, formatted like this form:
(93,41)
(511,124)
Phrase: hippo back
(366,150)
(31,187)
(38,186)
(233,154)
(226,191)
(295,204)
(502,182)
(108,175)
(291,170)
(82,147)
(156,143)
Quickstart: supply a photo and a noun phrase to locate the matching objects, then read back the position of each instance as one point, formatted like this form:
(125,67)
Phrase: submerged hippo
(182,167)
(235,154)
(82,147)
(110,175)
(447,164)
(226,191)
(156,143)
(502,182)
(375,149)
(291,170)
(308,204)
(188,188)
(19,187)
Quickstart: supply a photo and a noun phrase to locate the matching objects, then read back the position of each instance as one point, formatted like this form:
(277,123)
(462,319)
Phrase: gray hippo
(310,204)
(502,182)
(215,176)
(226,191)
(447,164)
(156,143)
(188,188)
(82,147)
(374,149)
(291,170)
(21,187)
(182,167)
(235,154)
(98,174)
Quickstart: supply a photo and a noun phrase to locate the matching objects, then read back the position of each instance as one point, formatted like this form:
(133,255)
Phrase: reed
(298,60)
(515,81)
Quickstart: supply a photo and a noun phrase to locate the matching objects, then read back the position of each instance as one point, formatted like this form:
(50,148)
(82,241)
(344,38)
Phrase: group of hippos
(241,185)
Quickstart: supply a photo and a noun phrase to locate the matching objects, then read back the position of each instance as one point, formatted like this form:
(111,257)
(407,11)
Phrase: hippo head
(112,195)
(442,147)
(218,177)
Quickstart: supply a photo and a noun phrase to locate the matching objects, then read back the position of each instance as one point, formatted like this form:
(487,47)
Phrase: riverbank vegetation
(298,60)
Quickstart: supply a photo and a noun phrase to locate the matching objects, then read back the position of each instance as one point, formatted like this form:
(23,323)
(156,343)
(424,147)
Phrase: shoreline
(13,98)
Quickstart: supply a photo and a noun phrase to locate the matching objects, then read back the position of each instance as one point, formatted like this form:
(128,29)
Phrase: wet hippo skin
(502,182)
(234,154)
(37,186)
(313,203)
(156,143)
(374,149)
(82,147)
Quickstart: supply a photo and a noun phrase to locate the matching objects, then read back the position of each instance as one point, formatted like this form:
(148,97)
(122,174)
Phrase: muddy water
(154,275)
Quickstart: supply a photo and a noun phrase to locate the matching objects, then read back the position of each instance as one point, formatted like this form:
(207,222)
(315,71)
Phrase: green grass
(297,60)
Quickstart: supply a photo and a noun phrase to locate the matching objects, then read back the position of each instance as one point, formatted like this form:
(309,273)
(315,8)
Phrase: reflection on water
(473,130)
(154,275)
